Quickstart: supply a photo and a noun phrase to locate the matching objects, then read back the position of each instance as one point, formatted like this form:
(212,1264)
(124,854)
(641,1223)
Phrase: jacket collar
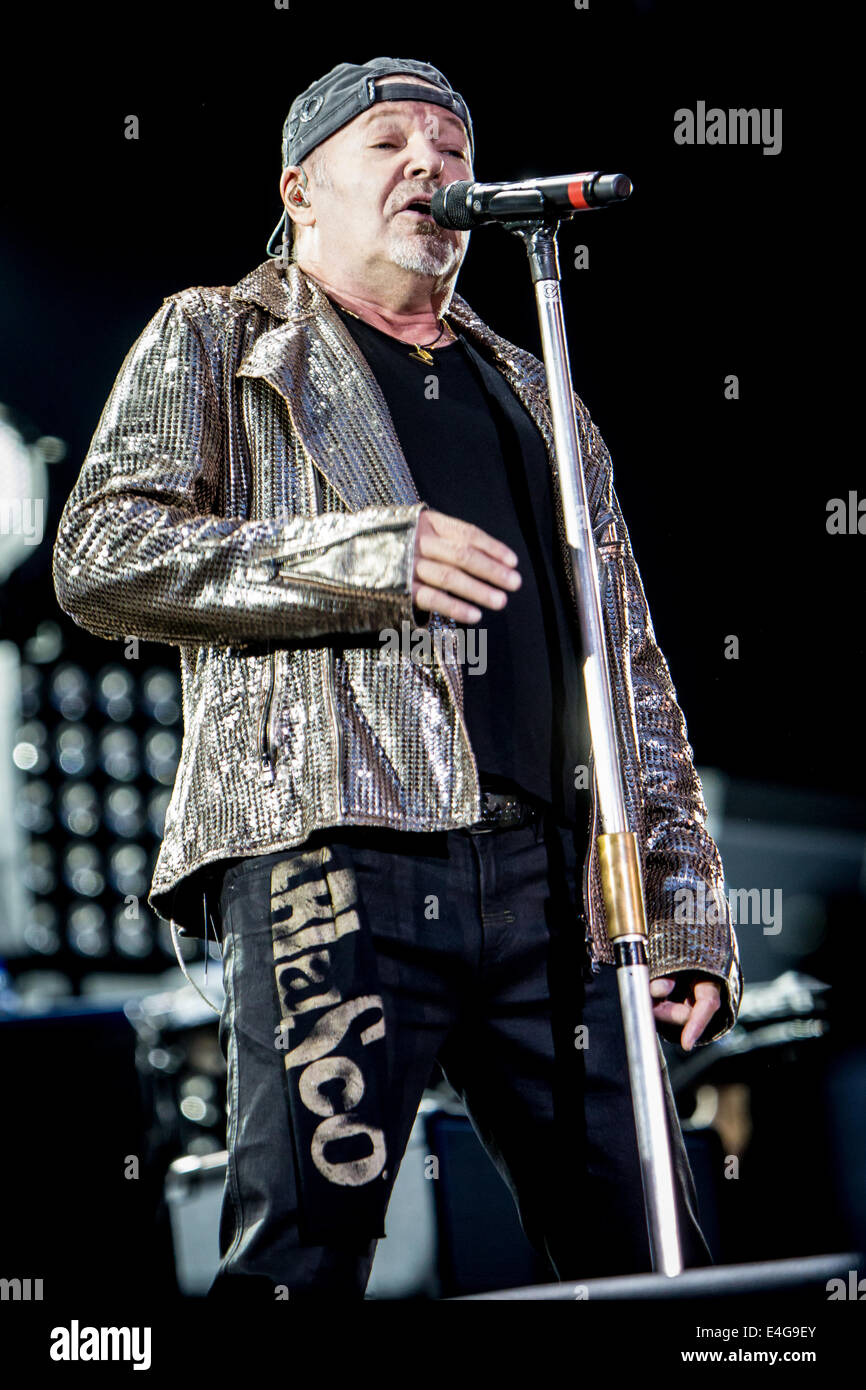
(296,296)
(311,345)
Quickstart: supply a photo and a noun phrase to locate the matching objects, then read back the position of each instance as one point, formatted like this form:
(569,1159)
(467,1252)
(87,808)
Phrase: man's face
(395,152)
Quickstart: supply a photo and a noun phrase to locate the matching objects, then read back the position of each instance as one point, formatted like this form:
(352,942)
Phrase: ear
(293,196)
(289,180)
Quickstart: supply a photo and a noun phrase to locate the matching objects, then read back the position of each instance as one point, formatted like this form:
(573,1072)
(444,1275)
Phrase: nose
(424,160)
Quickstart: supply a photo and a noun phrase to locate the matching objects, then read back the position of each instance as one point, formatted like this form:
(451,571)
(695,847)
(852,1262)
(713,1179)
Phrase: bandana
(346,92)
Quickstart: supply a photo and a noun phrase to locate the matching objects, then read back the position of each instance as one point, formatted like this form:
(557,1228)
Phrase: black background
(725,260)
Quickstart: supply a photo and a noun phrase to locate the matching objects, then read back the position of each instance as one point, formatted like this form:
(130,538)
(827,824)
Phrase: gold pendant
(421,355)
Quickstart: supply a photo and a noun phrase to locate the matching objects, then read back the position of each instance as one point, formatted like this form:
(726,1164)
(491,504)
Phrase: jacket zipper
(440,657)
(265,744)
(338,737)
(331,685)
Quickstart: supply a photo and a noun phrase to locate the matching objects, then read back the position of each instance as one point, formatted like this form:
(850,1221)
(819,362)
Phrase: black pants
(483,969)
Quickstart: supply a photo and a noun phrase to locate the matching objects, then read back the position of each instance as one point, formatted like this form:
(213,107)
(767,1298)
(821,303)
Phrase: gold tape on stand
(621,884)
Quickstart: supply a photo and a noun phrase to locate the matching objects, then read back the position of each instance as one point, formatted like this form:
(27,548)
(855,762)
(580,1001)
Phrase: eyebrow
(395,115)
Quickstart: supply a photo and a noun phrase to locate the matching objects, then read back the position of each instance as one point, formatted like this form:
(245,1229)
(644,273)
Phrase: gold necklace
(420,354)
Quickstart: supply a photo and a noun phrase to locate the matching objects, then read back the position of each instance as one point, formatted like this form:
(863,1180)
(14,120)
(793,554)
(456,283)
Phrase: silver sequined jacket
(245,497)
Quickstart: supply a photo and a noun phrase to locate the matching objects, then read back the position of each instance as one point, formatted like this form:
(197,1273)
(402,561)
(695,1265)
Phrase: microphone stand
(617,846)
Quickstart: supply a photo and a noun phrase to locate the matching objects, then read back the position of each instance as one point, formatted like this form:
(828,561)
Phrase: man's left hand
(698,997)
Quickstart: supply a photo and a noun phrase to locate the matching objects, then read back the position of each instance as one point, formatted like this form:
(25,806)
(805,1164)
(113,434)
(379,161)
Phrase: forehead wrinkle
(368,119)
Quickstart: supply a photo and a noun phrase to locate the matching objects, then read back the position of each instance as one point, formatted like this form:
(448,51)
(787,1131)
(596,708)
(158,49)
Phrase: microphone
(462,205)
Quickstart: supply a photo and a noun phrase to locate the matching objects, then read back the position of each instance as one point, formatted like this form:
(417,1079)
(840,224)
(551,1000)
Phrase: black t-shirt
(475,453)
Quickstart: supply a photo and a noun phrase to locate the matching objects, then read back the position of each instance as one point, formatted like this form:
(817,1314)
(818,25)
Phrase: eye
(391,145)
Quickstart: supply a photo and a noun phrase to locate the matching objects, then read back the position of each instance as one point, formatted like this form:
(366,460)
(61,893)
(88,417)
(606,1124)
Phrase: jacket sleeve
(688,916)
(140,551)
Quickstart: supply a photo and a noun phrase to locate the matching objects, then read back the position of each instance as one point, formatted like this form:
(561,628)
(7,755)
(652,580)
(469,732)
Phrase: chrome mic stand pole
(617,845)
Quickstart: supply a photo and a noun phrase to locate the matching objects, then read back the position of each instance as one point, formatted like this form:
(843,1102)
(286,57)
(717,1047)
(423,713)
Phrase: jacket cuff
(382,574)
(407,612)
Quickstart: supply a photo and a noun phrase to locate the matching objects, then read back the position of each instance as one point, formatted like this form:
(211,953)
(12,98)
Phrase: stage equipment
(532,211)
(807,1279)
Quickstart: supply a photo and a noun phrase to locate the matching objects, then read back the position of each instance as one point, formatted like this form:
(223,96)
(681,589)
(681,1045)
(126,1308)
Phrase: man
(290,477)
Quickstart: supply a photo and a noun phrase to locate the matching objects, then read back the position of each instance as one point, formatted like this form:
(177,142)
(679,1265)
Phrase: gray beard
(427,254)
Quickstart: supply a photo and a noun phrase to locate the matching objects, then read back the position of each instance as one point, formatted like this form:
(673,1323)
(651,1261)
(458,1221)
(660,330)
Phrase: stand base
(718,1281)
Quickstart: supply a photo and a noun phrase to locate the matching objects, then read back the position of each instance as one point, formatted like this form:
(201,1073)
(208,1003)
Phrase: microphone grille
(448,206)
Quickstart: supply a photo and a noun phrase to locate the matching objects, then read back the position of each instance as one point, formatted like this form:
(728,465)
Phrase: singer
(397,857)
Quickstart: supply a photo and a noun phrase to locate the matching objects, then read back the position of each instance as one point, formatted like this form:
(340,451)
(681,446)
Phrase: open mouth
(419,207)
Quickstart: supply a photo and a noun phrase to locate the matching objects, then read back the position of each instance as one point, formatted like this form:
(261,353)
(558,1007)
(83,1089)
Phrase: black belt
(504,811)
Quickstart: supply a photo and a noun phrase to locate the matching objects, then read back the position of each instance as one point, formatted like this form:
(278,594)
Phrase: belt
(504,811)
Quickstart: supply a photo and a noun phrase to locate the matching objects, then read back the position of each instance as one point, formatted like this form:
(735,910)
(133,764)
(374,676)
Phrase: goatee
(427,254)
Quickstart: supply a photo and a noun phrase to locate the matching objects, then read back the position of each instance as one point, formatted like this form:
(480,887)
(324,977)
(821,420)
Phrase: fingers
(660,987)
(443,579)
(451,528)
(431,600)
(458,566)
(701,1015)
(443,560)
(694,1016)
(672,1013)
(707,1000)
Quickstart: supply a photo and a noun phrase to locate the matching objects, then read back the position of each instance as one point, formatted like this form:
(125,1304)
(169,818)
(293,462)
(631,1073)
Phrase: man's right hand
(456,561)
